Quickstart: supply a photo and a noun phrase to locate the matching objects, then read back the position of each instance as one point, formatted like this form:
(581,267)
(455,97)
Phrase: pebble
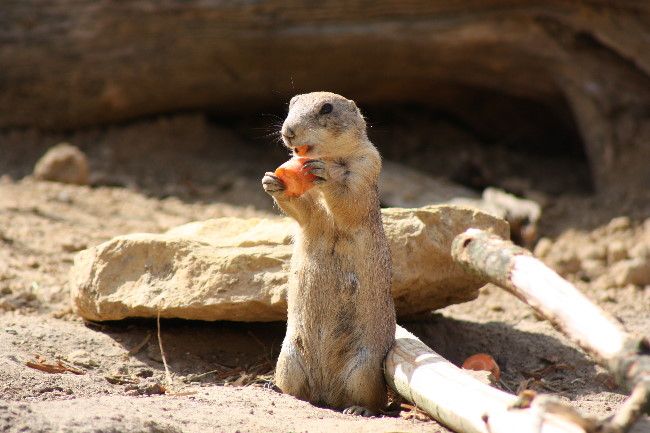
(63,163)
(633,271)
(81,358)
(543,247)
(619,224)
(616,251)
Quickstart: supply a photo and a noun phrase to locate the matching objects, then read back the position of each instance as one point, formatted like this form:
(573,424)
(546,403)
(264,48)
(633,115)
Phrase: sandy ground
(221,371)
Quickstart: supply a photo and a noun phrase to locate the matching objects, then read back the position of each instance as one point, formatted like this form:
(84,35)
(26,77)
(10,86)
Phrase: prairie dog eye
(326,108)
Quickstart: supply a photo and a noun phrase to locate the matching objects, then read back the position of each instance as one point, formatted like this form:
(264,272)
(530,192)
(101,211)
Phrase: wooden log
(463,403)
(73,63)
(516,270)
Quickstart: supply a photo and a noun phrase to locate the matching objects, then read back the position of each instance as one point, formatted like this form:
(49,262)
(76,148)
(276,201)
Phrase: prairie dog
(341,319)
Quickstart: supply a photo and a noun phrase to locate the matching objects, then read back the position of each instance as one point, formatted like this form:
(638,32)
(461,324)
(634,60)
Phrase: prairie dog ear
(293,101)
(353,105)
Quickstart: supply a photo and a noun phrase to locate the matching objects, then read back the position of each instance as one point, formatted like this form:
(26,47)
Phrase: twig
(168,375)
(230,373)
(196,377)
(505,386)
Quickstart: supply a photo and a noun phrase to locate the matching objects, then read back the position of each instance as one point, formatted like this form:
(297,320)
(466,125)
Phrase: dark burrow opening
(515,144)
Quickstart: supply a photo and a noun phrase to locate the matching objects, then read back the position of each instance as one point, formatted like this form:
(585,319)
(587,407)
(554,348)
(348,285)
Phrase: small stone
(154,389)
(522,214)
(608,296)
(607,380)
(604,282)
(616,251)
(543,247)
(640,250)
(64,197)
(406,187)
(593,268)
(81,358)
(633,271)
(403,186)
(63,163)
(619,224)
(150,387)
(145,373)
(593,252)
(568,263)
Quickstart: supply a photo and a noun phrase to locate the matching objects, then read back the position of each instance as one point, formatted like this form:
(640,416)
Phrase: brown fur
(341,314)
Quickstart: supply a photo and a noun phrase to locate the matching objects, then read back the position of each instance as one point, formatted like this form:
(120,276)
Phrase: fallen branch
(516,270)
(456,399)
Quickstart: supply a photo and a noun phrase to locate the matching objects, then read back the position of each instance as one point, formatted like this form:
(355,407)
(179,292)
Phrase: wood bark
(73,63)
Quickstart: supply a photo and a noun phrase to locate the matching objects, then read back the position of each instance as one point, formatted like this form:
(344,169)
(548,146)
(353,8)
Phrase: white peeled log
(546,291)
(466,405)
(463,403)
(517,271)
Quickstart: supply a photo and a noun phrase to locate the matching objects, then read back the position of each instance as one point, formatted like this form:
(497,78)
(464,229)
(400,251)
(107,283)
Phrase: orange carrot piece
(296,180)
(483,362)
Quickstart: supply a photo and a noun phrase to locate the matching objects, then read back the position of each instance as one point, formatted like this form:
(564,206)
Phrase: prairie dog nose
(288,132)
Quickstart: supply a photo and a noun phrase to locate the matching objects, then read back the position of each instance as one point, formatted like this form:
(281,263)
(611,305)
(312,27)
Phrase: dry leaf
(58,368)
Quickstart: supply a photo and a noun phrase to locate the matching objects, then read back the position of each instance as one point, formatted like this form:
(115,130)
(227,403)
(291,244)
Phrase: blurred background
(531,97)
(536,111)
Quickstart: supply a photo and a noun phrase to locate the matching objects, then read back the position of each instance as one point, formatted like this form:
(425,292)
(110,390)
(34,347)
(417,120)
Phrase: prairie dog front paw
(317,168)
(272,184)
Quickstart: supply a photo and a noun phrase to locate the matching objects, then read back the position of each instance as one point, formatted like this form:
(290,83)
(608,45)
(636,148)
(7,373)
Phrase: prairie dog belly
(335,293)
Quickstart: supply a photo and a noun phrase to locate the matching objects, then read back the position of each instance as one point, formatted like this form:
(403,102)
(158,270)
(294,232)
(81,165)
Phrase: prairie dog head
(329,124)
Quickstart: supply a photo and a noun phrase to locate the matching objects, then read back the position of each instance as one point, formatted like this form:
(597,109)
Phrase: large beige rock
(236,269)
